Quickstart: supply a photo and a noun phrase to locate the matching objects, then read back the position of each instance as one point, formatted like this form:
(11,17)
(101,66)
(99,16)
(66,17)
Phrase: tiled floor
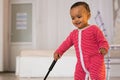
(11,76)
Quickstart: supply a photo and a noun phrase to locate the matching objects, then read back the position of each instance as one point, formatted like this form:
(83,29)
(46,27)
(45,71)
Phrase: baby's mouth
(78,23)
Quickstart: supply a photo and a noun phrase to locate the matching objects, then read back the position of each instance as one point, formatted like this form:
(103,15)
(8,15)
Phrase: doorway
(21,29)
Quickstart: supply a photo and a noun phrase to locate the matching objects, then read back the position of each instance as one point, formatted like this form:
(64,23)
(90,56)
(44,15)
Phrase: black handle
(52,65)
(50,68)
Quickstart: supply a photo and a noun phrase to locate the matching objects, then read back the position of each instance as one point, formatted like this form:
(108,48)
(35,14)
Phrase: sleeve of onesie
(102,42)
(66,44)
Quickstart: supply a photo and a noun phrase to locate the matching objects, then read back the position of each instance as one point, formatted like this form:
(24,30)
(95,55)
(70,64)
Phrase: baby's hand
(56,56)
(103,51)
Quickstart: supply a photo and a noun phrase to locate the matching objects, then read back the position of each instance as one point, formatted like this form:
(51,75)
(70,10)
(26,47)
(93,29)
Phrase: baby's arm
(61,49)
(66,44)
(102,42)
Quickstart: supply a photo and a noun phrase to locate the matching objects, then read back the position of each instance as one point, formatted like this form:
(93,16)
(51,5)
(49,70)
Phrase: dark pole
(50,68)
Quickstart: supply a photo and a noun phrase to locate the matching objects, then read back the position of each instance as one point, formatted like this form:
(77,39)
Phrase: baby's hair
(81,4)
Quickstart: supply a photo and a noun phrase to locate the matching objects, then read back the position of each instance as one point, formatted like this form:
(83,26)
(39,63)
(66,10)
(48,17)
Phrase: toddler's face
(79,16)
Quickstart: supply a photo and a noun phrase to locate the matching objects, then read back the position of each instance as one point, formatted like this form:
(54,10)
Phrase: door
(21,30)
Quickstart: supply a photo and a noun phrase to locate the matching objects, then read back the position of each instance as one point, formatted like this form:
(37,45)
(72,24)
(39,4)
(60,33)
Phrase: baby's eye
(79,16)
(73,18)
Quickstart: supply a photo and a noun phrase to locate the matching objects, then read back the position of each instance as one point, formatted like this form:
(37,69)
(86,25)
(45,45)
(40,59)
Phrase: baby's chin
(81,27)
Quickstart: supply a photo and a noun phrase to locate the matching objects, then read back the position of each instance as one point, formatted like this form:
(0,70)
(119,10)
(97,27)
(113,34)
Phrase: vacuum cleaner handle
(52,65)
(50,68)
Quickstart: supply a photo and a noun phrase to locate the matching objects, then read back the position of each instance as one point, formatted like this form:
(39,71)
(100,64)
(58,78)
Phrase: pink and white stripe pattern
(90,40)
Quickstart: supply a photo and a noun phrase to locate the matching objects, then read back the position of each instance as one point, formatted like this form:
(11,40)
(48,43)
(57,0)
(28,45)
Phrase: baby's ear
(89,15)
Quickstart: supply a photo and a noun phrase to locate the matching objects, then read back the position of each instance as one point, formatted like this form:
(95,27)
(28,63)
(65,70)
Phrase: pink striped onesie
(87,42)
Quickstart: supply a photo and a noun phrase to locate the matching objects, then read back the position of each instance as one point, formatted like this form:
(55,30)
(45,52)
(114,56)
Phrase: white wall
(54,22)
(1,35)
(47,24)
(107,15)
(4,59)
